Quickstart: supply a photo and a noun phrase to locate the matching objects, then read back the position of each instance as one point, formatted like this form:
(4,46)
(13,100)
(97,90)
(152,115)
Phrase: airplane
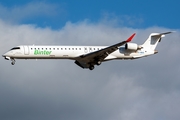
(88,56)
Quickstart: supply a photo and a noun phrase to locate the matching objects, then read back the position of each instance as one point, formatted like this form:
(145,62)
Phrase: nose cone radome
(7,54)
(4,55)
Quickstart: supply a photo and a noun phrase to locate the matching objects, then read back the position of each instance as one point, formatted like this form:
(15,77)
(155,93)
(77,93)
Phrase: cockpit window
(15,48)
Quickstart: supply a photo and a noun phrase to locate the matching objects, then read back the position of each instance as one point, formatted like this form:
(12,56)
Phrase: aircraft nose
(6,56)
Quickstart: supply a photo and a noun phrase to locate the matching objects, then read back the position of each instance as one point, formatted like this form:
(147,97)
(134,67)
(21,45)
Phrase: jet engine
(131,46)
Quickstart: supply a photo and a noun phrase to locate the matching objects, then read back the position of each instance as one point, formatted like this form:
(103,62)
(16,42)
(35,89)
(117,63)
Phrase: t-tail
(153,40)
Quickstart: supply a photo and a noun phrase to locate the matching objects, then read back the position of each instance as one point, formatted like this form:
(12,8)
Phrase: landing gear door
(26,50)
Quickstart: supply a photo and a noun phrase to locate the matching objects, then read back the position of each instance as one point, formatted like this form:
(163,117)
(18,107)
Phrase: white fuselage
(69,52)
(88,56)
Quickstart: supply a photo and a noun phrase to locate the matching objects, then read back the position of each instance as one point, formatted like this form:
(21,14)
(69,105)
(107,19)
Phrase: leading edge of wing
(103,53)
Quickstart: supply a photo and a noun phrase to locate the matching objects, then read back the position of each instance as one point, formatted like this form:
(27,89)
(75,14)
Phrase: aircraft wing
(98,56)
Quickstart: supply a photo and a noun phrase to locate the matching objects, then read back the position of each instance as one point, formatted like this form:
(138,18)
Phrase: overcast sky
(142,89)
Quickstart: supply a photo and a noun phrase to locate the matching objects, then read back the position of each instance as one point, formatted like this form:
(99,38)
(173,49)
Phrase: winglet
(130,38)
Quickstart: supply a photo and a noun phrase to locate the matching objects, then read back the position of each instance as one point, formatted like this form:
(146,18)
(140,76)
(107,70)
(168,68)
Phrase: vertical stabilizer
(153,40)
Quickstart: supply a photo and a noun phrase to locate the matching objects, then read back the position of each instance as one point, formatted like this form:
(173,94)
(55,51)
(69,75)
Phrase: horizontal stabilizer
(161,34)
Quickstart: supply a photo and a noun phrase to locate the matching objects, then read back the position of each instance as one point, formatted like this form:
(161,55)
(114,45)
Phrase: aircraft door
(26,50)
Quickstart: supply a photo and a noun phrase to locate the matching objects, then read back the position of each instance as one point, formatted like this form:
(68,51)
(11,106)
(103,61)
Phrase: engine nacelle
(131,46)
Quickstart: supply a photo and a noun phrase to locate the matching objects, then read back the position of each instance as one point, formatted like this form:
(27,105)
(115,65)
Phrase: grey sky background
(142,89)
